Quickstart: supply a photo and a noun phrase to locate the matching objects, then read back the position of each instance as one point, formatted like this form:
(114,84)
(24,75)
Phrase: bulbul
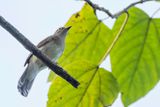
(53,47)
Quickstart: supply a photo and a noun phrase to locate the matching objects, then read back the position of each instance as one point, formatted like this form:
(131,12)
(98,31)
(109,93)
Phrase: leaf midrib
(139,57)
(85,38)
(85,91)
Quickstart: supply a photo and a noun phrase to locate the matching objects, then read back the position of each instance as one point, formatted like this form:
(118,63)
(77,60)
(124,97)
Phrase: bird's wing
(42,43)
(28,58)
(45,41)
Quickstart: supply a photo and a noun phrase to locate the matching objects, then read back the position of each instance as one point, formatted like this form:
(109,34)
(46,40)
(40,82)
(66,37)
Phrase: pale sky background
(36,19)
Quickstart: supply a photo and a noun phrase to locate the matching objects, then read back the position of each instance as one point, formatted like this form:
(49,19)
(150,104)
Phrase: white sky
(36,19)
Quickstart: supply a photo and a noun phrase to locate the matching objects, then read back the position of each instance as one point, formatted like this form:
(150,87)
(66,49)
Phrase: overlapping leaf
(135,58)
(98,87)
(86,45)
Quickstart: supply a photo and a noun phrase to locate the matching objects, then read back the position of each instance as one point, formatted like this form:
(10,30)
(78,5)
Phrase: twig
(129,6)
(33,49)
(96,7)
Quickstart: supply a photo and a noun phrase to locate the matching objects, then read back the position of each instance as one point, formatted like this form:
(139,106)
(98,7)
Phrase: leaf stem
(116,37)
(155,12)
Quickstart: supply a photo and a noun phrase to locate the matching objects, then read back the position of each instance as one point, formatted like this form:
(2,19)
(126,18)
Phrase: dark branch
(129,6)
(33,49)
(96,7)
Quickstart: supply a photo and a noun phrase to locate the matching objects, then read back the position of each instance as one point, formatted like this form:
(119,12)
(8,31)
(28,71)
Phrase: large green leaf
(89,38)
(86,46)
(135,58)
(98,87)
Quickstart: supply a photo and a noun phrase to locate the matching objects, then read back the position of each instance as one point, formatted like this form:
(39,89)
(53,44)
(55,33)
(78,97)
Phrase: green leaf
(135,58)
(85,49)
(98,87)
(87,39)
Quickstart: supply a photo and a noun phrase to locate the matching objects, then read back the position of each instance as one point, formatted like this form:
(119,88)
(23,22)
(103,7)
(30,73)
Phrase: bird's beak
(68,27)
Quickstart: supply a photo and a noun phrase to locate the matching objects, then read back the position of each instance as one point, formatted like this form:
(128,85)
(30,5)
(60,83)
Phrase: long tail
(26,81)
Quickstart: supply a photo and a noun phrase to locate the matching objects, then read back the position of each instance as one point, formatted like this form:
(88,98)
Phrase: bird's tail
(26,81)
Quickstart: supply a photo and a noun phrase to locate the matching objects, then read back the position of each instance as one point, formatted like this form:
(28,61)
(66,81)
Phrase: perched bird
(53,47)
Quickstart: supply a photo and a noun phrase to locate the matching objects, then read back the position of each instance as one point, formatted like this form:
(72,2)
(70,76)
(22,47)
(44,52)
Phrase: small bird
(53,47)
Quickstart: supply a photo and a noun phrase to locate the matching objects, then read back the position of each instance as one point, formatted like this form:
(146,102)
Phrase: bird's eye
(60,29)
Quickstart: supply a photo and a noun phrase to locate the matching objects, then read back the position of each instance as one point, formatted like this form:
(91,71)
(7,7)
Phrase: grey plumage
(53,47)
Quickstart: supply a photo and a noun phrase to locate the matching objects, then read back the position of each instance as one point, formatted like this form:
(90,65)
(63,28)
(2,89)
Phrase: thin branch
(129,6)
(33,49)
(96,7)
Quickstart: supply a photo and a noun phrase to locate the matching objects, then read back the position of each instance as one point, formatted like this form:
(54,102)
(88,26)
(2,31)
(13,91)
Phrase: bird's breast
(53,51)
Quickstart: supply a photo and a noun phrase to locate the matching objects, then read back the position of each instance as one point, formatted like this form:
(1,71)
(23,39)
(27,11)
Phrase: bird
(53,47)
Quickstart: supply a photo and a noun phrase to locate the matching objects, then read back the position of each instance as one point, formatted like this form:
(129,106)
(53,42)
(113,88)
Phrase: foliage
(136,56)
(81,59)
(135,60)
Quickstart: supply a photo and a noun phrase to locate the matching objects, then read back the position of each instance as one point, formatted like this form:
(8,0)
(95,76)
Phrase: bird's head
(62,31)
